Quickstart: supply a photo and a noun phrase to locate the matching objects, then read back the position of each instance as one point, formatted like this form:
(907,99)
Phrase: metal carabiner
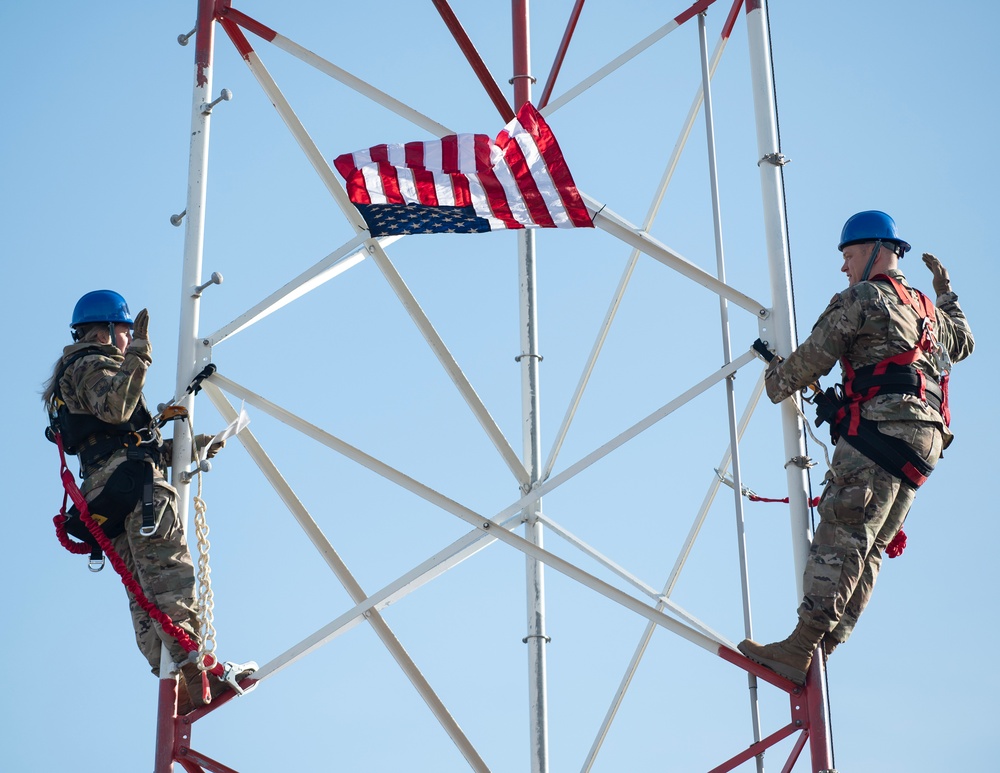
(233,672)
(170,413)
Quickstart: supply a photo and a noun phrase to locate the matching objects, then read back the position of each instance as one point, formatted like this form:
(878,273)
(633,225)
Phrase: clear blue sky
(887,105)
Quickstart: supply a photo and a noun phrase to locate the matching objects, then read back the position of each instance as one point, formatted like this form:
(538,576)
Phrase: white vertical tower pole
(727,351)
(187,350)
(529,358)
(781,332)
(191,354)
(781,326)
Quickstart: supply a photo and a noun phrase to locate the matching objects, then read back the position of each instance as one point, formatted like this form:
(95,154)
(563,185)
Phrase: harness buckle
(96,564)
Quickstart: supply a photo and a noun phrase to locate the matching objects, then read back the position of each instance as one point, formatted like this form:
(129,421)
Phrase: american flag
(466,183)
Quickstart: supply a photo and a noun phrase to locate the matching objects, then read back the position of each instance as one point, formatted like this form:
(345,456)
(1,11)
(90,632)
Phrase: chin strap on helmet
(871,260)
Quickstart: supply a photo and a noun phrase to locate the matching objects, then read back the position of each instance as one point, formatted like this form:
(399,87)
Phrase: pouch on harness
(115,503)
(893,455)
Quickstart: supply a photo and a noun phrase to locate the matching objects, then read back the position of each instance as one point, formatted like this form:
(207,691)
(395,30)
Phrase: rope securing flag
(466,183)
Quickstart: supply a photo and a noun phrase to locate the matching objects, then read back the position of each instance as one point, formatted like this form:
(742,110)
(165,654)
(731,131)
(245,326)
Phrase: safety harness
(840,405)
(227,671)
(87,520)
(94,441)
(896,374)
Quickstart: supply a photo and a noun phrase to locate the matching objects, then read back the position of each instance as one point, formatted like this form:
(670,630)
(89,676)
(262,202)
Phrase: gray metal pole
(529,358)
(727,351)
(536,638)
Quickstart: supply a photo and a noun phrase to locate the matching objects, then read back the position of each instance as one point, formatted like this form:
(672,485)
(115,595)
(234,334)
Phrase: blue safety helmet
(870,226)
(101,306)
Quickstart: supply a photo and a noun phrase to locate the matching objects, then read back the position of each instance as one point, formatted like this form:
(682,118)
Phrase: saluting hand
(140,328)
(942,282)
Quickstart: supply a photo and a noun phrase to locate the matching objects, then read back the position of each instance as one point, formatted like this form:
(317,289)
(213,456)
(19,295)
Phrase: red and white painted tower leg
(191,355)
(780,332)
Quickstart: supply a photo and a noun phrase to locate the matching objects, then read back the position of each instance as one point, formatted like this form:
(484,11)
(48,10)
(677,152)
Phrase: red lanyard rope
(128,580)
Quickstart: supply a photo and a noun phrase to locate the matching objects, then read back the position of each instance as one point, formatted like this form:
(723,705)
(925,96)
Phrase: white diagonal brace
(433,567)
(620,228)
(449,364)
(494,527)
(354,218)
(663,602)
(609,68)
(668,587)
(440,500)
(626,277)
(239,18)
(351,585)
(698,6)
(360,86)
(337,262)
(306,143)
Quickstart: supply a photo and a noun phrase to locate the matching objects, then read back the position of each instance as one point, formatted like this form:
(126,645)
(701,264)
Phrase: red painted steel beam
(694,10)
(820,743)
(166,726)
(521,79)
(759,671)
(550,82)
(806,707)
(734,14)
(249,24)
(196,761)
(237,37)
(472,56)
(205,29)
(754,749)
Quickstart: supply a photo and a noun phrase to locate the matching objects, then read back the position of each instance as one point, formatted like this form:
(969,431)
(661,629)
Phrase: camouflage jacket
(865,324)
(108,385)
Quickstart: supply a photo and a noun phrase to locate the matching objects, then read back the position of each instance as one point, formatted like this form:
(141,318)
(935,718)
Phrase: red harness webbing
(927,343)
(74,493)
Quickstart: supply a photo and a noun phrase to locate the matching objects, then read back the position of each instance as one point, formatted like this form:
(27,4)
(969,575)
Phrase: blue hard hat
(101,306)
(870,226)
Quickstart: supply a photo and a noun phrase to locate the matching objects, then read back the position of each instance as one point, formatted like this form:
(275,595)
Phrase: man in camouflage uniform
(863,506)
(106,383)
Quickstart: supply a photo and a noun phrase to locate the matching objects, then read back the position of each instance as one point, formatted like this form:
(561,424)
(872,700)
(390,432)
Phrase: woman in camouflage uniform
(99,381)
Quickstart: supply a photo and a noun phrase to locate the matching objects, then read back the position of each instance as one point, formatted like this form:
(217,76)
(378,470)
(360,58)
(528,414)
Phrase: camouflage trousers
(161,564)
(861,510)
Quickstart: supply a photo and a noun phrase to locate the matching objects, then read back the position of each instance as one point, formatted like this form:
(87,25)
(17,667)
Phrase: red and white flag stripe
(521,180)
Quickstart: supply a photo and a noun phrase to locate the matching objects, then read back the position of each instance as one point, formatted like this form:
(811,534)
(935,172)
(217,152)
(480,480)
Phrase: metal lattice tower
(521,523)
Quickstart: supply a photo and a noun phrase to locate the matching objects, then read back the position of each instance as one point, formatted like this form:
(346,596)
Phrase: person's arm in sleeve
(953,332)
(830,338)
(111,392)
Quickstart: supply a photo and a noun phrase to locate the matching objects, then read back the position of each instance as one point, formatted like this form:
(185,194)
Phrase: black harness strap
(899,380)
(893,455)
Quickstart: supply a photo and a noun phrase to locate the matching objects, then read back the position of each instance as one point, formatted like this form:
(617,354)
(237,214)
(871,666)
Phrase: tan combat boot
(183,698)
(193,678)
(829,645)
(789,658)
